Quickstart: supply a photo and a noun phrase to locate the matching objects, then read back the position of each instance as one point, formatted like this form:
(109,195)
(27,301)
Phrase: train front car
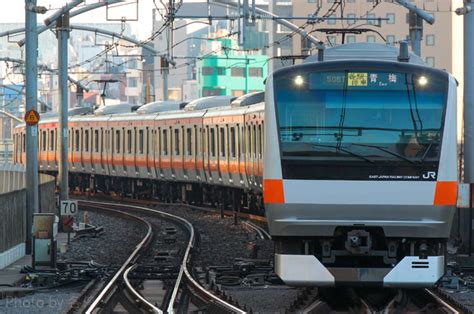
(360,176)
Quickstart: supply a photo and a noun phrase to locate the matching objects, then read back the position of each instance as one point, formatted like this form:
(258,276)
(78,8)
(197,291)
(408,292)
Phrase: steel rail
(106,292)
(184,273)
(443,303)
(138,297)
(262,233)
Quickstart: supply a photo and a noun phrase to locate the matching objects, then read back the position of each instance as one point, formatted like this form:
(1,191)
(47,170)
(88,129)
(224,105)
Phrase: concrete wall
(13,208)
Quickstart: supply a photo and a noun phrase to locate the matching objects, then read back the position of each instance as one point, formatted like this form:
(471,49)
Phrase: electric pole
(62,33)
(31,74)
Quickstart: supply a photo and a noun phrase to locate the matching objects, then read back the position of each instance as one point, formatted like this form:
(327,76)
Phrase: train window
(262,139)
(259,140)
(96,141)
(86,140)
(242,141)
(176,142)
(51,140)
(101,139)
(148,137)
(248,141)
(24,142)
(204,133)
(141,141)
(117,141)
(165,142)
(195,138)
(213,142)
(232,142)
(222,142)
(254,141)
(189,143)
(43,140)
(129,141)
(76,140)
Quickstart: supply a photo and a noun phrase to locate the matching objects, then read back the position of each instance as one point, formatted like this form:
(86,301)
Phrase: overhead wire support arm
(64,10)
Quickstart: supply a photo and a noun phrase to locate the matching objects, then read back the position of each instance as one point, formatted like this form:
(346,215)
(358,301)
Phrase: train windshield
(387,121)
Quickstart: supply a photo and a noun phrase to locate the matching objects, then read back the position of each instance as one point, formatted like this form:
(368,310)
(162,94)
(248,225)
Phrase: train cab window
(96,141)
(165,142)
(141,141)
(213,142)
(232,142)
(177,142)
(117,141)
(51,140)
(189,143)
(86,140)
(77,140)
(129,141)
(222,142)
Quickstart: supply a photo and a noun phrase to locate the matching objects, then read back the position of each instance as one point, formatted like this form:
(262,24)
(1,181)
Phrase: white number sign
(69,208)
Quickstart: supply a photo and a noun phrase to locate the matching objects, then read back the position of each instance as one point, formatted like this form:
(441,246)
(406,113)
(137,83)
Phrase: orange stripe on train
(273,192)
(446,193)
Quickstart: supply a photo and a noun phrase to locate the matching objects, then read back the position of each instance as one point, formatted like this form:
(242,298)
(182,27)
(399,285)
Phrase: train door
(213,158)
(158,151)
(259,154)
(200,174)
(234,155)
(206,152)
(102,149)
(167,152)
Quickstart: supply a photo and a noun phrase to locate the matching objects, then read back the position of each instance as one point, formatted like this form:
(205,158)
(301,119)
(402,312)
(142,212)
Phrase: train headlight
(299,80)
(422,80)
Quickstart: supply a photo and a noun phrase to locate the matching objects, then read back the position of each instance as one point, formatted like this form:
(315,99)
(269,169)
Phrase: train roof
(364,51)
(161,106)
(248,99)
(209,102)
(115,109)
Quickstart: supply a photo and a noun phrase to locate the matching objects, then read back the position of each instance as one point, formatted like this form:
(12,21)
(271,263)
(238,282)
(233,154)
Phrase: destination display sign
(358,80)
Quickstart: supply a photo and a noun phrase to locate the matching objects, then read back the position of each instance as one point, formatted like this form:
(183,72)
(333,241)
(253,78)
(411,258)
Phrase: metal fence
(13,203)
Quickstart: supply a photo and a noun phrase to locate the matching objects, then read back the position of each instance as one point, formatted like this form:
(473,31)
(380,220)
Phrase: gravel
(221,242)
(111,248)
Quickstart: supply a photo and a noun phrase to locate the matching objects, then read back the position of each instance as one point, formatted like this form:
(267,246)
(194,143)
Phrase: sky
(13,12)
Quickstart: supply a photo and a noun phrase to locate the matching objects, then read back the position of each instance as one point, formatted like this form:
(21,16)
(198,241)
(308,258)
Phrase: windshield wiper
(386,151)
(343,150)
(426,152)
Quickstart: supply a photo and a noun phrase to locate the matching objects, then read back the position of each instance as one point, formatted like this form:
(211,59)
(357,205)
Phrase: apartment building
(442,42)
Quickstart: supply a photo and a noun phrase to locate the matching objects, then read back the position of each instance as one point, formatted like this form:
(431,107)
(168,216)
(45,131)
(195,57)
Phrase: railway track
(185,288)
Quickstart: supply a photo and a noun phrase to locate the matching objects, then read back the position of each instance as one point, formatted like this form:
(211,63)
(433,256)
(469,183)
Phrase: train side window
(96,141)
(262,139)
(222,142)
(148,138)
(195,138)
(176,142)
(101,140)
(51,140)
(249,141)
(232,142)
(86,140)
(117,141)
(242,141)
(259,140)
(213,142)
(43,140)
(129,141)
(23,139)
(254,142)
(189,139)
(141,141)
(76,140)
(205,140)
(165,142)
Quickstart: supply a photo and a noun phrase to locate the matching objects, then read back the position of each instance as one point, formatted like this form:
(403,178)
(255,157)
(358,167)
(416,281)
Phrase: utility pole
(62,33)
(169,46)
(416,17)
(467,215)
(31,73)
